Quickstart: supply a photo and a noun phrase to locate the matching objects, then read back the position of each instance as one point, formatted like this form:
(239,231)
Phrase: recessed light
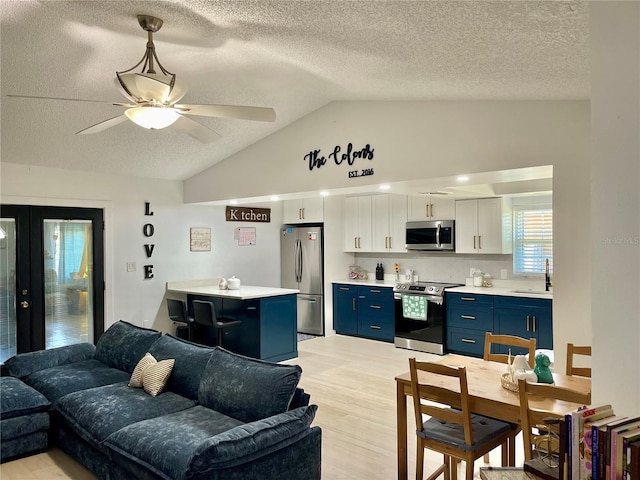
(324,193)
(385,186)
(233,202)
(463,178)
(274,198)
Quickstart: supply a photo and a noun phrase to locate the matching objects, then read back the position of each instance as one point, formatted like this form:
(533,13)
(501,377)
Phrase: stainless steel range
(420,314)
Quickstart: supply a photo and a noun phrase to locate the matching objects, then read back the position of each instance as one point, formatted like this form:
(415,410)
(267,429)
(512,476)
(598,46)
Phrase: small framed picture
(200,239)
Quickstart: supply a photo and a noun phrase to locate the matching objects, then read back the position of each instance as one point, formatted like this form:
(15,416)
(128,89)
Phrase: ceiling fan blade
(196,130)
(261,114)
(68,99)
(99,127)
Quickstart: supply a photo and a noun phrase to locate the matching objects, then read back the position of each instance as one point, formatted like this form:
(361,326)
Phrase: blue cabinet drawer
(469,299)
(469,342)
(472,318)
(377,328)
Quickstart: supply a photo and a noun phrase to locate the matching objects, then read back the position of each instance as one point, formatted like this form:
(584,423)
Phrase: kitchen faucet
(547,277)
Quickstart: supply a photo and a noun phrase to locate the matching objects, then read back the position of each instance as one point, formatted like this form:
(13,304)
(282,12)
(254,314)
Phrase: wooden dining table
(487,396)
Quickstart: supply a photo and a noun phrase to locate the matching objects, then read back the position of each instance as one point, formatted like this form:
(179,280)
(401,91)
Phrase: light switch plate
(131,266)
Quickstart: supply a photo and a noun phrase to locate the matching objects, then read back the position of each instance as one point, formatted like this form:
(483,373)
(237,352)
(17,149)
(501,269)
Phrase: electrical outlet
(131,266)
(503,273)
(472,271)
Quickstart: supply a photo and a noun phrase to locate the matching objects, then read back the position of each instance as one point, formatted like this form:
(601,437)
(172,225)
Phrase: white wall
(129,296)
(615,208)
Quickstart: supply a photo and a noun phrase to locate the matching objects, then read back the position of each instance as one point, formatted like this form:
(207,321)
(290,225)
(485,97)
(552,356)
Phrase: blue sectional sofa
(220,415)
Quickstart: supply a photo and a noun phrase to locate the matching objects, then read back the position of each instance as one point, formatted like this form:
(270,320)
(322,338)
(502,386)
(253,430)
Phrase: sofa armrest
(249,441)
(300,399)
(25,364)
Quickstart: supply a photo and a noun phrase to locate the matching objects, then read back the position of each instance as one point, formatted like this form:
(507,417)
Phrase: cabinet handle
(353,304)
(468,317)
(390,243)
(479,242)
(358,242)
(303,213)
(474,242)
(355,242)
(346,289)
(376,307)
(431,208)
(251,308)
(528,330)
(468,299)
(374,291)
(534,324)
(375,327)
(466,340)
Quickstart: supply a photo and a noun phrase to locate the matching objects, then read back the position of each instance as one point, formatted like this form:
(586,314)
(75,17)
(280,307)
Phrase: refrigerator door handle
(298,262)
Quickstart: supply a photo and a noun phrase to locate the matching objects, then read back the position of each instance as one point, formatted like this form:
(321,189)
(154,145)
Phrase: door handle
(474,242)
(528,329)
(534,324)
(24,304)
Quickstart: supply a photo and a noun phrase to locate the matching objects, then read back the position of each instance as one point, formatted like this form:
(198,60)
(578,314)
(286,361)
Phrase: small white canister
(477,278)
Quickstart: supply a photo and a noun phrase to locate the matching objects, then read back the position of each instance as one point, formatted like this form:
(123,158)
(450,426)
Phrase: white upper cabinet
(304,210)
(389,221)
(431,207)
(357,217)
(483,226)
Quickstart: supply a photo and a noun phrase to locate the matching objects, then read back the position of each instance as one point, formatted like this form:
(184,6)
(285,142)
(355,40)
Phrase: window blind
(532,239)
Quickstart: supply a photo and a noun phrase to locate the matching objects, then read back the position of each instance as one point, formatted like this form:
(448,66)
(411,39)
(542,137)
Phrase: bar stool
(178,313)
(206,321)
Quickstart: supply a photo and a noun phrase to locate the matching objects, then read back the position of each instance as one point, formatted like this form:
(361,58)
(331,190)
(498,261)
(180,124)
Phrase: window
(532,239)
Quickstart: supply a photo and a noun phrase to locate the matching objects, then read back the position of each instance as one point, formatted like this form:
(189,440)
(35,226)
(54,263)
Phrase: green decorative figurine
(542,368)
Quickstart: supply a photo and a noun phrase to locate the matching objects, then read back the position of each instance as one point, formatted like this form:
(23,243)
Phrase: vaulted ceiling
(293,56)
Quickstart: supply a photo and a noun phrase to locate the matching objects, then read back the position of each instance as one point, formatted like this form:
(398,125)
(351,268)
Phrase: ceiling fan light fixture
(152,118)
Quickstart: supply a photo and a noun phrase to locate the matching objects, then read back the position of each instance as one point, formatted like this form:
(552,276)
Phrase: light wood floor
(352,382)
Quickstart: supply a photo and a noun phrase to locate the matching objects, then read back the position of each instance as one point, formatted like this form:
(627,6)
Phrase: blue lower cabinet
(268,326)
(525,317)
(363,311)
(462,340)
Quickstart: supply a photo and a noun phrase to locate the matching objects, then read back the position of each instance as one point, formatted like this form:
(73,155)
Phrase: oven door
(425,333)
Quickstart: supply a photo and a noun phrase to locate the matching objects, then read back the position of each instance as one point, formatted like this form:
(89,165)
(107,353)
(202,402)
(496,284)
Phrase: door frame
(30,274)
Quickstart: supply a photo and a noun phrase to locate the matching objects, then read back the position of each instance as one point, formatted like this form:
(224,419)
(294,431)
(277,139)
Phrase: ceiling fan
(155,96)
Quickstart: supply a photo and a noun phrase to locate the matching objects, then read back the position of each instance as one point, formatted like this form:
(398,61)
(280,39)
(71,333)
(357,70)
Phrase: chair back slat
(510,341)
(584,350)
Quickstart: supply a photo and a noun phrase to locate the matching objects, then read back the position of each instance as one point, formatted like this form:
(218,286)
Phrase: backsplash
(439,266)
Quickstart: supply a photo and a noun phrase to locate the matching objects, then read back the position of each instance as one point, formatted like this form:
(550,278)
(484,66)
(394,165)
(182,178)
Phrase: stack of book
(595,444)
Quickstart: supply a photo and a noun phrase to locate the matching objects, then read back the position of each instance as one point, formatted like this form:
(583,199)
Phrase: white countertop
(503,291)
(366,283)
(210,288)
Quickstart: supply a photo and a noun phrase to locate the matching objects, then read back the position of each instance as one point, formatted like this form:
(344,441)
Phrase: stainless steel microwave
(432,235)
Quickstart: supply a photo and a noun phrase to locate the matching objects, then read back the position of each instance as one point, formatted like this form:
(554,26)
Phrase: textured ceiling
(293,56)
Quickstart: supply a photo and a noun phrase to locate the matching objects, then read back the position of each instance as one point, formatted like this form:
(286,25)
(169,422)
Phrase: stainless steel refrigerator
(302,268)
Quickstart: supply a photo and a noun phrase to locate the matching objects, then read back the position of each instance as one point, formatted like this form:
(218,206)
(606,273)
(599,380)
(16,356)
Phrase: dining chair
(572,350)
(178,313)
(207,324)
(531,417)
(510,341)
(451,429)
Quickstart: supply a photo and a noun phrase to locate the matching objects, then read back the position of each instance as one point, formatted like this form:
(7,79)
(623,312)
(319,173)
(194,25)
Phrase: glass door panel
(8,332)
(68,281)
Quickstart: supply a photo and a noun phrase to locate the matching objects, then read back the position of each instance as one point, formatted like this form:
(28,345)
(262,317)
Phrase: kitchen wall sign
(148,230)
(348,156)
(200,239)
(248,214)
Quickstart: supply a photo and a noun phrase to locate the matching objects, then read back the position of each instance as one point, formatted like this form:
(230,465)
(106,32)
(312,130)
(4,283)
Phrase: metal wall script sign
(339,156)
(248,214)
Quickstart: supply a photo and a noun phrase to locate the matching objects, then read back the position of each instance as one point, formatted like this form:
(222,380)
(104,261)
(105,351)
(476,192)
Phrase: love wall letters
(148,230)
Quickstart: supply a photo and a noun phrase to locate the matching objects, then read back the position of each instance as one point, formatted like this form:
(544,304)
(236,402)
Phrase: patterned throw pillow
(151,375)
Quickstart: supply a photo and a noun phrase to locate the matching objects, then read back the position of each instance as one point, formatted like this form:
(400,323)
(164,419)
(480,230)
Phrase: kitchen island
(268,316)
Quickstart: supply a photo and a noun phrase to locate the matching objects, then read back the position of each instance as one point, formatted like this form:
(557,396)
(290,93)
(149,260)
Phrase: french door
(51,277)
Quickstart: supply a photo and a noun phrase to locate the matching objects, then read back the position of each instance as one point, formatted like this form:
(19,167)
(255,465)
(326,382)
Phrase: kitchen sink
(533,292)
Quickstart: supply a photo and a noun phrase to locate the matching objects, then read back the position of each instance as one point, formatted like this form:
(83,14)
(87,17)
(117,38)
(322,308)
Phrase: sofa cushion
(191,360)
(18,399)
(55,382)
(195,441)
(98,412)
(18,427)
(124,344)
(136,377)
(246,388)
(26,363)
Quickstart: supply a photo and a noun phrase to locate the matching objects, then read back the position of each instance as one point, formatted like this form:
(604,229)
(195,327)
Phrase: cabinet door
(398,223)
(345,309)
(430,207)
(313,209)
(376,313)
(466,226)
(380,221)
(442,208)
(292,211)
(419,208)
(358,224)
(490,225)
